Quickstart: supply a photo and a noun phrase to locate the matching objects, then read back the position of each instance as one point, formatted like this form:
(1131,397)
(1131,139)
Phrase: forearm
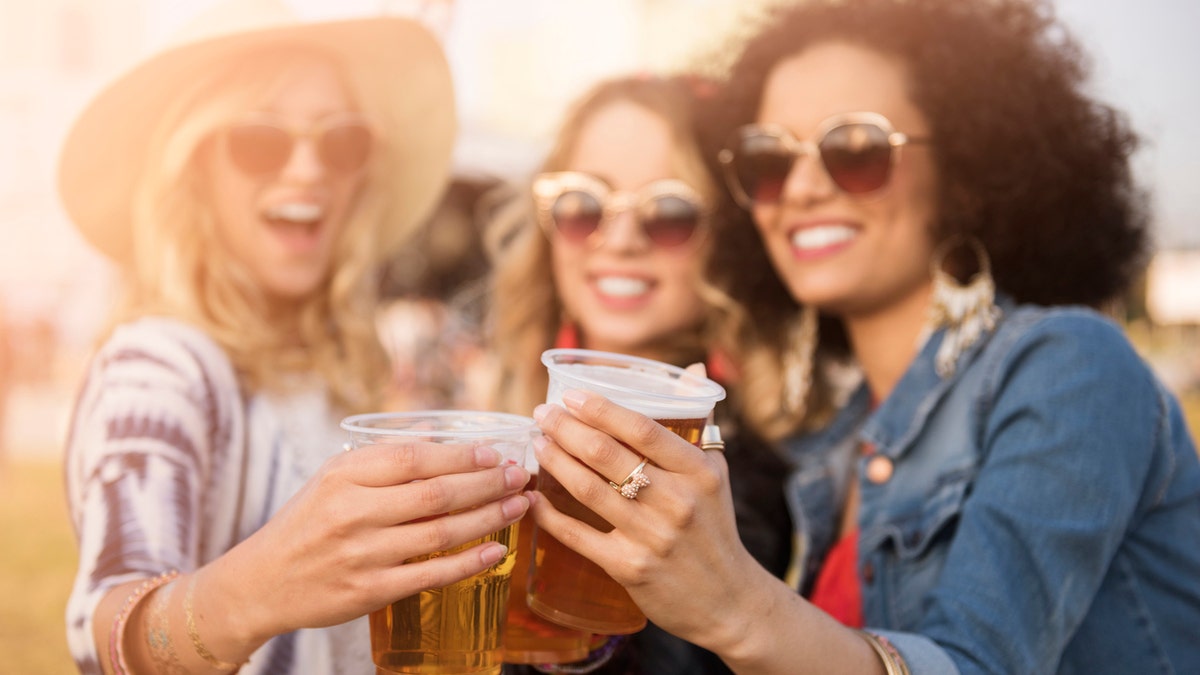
(167,628)
(769,629)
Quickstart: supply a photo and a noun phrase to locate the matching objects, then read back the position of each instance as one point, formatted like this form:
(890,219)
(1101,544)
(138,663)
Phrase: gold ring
(711,438)
(635,481)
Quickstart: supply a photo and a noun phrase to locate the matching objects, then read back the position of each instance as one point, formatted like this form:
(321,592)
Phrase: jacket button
(868,573)
(879,469)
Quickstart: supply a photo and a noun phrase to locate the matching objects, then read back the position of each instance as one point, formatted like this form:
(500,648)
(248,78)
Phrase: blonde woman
(247,182)
(614,258)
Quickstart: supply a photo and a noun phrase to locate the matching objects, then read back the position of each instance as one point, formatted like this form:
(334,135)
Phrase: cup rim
(506,423)
(715,392)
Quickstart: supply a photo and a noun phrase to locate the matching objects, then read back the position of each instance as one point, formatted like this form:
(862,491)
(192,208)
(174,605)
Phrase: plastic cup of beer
(565,587)
(528,638)
(459,628)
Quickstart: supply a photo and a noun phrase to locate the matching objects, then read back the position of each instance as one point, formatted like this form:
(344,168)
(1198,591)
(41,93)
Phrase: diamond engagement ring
(635,481)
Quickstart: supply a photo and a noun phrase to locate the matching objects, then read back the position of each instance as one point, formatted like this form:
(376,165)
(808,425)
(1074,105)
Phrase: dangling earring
(798,361)
(967,311)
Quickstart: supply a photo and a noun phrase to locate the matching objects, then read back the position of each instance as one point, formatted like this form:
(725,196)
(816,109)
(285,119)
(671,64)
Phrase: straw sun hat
(104,152)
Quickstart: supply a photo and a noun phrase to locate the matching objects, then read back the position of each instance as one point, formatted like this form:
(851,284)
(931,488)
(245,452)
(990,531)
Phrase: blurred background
(516,64)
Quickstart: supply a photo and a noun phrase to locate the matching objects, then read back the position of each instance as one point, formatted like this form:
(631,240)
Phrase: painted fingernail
(515,477)
(491,555)
(514,507)
(573,398)
(486,457)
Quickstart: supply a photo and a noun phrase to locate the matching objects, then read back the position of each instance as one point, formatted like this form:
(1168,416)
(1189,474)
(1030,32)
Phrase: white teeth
(622,286)
(295,212)
(823,236)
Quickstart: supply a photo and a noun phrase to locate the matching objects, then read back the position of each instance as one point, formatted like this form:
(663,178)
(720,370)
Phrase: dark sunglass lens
(858,157)
(670,221)
(258,148)
(345,148)
(576,215)
(762,166)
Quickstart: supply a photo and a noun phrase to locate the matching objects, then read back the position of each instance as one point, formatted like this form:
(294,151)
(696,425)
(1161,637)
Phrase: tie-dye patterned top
(169,464)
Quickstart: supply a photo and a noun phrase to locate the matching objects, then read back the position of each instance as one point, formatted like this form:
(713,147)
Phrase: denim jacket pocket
(911,552)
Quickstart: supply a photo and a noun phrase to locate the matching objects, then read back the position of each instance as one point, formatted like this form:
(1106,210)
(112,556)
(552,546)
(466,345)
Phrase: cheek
(346,195)
(684,274)
(919,188)
(232,197)
(566,267)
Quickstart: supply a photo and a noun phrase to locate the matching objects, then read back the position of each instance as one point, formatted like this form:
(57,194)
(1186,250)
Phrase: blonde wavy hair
(179,269)
(526,312)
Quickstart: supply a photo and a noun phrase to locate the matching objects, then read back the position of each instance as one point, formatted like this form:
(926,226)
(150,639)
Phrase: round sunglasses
(262,147)
(577,206)
(857,152)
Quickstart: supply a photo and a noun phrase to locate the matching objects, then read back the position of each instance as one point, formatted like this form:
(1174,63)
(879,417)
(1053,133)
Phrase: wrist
(239,627)
(742,632)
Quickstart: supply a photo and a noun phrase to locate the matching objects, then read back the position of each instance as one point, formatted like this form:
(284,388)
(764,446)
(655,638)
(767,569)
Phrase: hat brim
(104,153)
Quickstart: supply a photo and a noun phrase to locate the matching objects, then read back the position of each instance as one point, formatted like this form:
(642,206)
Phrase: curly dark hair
(1031,165)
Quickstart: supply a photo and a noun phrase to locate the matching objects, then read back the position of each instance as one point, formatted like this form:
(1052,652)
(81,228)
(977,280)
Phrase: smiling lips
(622,286)
(300,213)
(818,240)
(297,224)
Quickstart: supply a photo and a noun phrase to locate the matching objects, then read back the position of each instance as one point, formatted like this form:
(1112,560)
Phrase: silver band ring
(635,481)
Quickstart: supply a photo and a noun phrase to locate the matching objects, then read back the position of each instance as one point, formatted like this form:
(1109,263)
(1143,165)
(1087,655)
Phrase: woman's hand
(337,549)
(675,547)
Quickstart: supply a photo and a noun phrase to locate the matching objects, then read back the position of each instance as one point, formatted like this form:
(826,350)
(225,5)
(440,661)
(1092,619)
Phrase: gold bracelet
(158,634)
(893,663)
(197,644)
(116,638)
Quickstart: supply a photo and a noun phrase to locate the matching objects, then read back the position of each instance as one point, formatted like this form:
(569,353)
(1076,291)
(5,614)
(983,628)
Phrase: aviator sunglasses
(260,147)
(577,206)
(857,151)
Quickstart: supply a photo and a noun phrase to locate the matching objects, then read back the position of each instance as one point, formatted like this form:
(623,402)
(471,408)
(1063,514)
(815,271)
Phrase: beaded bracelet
(194,634)
(893,663)
(116,650)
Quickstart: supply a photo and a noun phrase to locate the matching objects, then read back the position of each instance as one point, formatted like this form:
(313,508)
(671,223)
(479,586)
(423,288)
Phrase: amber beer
(605,607)
(455,629)
(528,638)
(565,587)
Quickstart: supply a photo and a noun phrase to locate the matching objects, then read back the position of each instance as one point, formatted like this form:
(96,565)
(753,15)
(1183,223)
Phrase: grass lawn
(36,568)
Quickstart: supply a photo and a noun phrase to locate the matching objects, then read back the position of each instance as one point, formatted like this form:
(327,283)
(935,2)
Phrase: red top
(837,590)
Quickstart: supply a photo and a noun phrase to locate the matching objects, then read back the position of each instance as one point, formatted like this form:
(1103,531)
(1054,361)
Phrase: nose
(622,232)
(807,181)
(303,164)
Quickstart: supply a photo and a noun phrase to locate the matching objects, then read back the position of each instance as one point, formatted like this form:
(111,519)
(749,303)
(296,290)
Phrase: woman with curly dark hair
(1009,489)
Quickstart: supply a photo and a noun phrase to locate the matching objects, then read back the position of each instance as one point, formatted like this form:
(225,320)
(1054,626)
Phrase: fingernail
(514,507)
(534,497)
(486,457)
(515,477)
(539,413)
(492,554)
(539,444)
(574,398)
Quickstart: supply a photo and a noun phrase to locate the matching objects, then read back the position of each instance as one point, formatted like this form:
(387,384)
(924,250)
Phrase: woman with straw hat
(247,182)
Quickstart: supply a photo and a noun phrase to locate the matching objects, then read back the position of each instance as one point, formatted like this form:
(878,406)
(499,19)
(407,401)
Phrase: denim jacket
(1036,512)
